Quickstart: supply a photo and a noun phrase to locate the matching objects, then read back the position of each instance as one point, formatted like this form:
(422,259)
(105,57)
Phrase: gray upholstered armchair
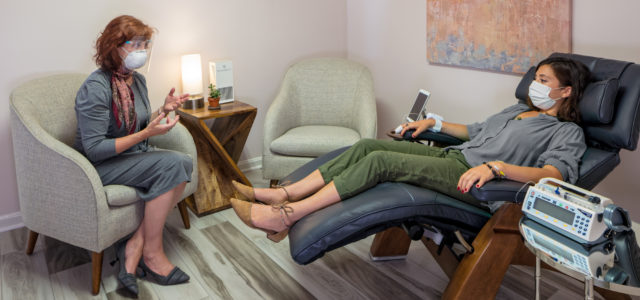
(323,104)
(60,192)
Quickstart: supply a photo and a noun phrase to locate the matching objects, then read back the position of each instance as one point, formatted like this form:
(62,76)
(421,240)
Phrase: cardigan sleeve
(93,111)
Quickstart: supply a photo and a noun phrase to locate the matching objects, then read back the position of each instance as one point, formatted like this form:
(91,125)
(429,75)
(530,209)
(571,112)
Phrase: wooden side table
(219,136)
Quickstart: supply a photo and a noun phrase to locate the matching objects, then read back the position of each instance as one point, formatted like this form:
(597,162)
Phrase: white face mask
(135,59)
(539,95)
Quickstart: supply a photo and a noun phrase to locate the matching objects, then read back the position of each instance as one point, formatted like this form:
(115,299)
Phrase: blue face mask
(539,95)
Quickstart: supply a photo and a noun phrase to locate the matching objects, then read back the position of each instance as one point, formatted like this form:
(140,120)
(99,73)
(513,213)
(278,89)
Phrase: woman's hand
(478,175)
(419,126)
(172,102)
(156,128)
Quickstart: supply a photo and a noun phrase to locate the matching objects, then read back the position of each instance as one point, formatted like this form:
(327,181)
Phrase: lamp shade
(191,74)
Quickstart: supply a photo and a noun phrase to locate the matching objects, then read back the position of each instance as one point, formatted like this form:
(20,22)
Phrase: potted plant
(214,97)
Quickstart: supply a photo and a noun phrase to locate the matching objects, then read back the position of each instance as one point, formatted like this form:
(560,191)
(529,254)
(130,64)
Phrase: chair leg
(182,207)
(31,242)
(96,271)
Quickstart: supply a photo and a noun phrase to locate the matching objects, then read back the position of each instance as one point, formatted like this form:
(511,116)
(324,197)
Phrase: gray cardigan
(97,129)
(532,142)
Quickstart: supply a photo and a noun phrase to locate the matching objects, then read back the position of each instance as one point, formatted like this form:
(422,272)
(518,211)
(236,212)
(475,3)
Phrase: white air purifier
(221,75)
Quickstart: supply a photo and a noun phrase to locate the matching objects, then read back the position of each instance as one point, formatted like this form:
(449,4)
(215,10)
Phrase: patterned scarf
(123,105)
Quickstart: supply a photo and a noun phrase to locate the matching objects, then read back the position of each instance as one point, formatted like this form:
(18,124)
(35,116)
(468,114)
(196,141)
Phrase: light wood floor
(227,260)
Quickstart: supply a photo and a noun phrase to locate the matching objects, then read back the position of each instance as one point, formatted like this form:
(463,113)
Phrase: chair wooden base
(391,242)
(479,274)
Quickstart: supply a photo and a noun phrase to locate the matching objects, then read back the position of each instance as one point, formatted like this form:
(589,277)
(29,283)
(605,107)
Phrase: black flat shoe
(128,280)
(176,276)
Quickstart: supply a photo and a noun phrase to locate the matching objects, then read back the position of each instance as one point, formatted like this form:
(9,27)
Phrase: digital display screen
(554,211)
(558,250)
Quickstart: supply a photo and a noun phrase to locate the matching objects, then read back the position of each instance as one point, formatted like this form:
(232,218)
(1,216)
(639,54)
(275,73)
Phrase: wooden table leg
(233,131)
(216,169)
(182,207)
(220,136)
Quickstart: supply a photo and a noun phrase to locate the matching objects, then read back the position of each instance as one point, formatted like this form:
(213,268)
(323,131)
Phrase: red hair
(118,31)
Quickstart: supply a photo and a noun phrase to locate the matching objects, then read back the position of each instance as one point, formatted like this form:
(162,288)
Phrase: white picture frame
(221,75)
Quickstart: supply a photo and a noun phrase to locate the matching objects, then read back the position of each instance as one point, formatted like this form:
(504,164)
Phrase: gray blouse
(97,128)
(533,142)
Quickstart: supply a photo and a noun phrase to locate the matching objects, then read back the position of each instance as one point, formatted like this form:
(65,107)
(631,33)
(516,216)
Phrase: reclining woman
(524,142)
(114,113)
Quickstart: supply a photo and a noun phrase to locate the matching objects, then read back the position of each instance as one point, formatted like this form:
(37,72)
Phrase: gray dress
(151,171)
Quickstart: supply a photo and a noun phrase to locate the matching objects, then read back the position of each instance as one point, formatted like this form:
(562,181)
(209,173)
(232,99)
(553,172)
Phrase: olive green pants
(369,162)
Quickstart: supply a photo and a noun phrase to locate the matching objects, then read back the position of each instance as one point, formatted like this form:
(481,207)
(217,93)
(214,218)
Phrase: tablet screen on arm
(418,106)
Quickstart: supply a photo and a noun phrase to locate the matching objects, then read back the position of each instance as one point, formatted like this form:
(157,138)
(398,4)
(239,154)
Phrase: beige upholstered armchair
(323,104)
(60,192)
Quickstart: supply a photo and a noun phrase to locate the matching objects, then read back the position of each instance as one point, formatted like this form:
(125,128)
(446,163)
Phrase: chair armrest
(179,139)
(442,139)
(60,192)
(501,190)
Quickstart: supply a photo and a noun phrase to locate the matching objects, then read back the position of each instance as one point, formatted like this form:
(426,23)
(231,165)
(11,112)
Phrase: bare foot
(267,217)
(271,196)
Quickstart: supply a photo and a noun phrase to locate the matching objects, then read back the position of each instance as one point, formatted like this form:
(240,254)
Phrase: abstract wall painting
(497,35)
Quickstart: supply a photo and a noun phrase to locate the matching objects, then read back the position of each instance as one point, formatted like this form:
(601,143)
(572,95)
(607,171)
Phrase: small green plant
(213,91)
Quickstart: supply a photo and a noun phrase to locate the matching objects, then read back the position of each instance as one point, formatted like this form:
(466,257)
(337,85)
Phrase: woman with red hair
(115,120)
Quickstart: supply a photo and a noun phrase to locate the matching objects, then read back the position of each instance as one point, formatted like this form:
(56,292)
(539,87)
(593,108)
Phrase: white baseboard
(250,164)
(11,221)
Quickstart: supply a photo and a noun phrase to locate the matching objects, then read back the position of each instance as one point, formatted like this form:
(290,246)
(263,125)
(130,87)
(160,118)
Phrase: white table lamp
(192,81)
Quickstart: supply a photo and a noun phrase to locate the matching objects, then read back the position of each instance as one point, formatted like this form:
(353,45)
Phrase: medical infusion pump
(595,260)
(567,209)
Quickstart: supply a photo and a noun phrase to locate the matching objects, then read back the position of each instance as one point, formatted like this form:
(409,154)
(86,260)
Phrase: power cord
(526,184)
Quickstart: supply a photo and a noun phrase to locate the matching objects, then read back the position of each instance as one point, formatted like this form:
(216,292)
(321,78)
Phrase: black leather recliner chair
(610,112)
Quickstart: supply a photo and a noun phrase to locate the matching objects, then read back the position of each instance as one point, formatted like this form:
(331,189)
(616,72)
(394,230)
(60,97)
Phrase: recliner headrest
(598,99)
(610,107)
